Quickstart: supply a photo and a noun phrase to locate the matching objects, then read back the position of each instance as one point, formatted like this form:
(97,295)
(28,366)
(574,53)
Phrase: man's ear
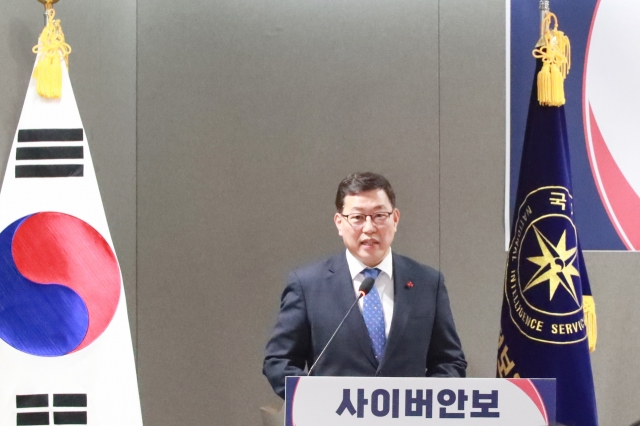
(396,218)
(337,219)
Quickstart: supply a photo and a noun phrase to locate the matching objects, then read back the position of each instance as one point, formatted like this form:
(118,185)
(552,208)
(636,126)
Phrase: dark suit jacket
(422,340)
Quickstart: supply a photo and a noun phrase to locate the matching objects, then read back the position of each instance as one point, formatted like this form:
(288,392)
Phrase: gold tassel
(555,53)
(51,49)
(589,306)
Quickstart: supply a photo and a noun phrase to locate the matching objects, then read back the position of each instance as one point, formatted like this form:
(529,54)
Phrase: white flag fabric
(65,346)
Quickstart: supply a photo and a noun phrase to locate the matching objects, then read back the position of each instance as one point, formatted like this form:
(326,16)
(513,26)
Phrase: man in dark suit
(404,327)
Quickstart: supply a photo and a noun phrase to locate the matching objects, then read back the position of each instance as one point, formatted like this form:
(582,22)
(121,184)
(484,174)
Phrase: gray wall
(219,131)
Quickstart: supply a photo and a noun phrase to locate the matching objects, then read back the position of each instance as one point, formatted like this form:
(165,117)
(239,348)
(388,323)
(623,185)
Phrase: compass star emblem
(556,266)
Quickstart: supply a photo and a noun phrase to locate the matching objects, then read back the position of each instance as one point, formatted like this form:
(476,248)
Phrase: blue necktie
(373,315)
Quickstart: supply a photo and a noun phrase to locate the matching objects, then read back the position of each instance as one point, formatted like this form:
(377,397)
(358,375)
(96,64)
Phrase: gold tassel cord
(555,54)
(51,49)
(589,306)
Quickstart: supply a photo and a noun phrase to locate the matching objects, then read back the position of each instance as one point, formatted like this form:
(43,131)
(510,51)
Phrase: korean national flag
(65,346)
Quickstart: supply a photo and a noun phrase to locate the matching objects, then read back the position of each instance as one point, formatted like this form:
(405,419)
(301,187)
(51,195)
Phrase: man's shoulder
(408,264)
(312,269)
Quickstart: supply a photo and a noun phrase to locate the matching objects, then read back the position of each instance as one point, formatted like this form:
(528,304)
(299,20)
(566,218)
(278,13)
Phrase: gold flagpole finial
(48,4)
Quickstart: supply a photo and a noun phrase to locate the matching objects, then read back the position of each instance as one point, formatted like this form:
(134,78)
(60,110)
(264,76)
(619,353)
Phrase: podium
(373,401)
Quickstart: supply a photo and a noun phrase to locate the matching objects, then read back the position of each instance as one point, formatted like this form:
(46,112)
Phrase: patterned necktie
(373,315)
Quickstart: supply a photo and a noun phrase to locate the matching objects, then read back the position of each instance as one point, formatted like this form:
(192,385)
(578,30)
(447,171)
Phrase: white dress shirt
(384,284)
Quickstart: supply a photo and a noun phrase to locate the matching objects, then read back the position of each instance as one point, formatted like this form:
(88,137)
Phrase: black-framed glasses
(359,219)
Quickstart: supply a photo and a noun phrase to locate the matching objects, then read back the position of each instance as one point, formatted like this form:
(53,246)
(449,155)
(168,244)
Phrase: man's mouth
(369,243)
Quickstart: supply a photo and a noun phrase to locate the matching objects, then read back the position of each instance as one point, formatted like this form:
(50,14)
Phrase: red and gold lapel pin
(409,285)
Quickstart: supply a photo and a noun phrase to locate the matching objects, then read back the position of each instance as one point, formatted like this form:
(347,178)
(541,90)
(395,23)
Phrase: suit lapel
(401,307)
(342,284)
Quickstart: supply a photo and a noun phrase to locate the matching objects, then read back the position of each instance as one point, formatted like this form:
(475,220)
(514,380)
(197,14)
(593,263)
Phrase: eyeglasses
(359,219)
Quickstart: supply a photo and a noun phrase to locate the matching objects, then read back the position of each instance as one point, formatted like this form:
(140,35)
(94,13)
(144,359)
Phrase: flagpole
(544,9)
(48,4)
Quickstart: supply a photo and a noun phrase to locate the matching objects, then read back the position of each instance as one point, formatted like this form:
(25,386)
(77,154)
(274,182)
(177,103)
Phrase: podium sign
(373,401)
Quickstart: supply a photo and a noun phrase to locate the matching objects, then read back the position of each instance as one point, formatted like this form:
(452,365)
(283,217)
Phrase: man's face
(371,241)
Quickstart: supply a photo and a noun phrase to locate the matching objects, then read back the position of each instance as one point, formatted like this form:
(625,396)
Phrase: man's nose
(369,226)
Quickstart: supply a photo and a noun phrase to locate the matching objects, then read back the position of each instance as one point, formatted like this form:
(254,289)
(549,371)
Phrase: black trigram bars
(49,153)
(50,135)
(69,417)
(32,401)
(30,418)
(49,170)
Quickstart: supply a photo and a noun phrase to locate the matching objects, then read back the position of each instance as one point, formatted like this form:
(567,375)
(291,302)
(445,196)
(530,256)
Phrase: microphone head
(366,286)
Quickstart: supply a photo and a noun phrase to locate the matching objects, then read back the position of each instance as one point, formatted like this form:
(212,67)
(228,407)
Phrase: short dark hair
(357,183)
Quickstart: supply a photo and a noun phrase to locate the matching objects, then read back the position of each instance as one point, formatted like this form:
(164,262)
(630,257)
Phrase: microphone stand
(360,295)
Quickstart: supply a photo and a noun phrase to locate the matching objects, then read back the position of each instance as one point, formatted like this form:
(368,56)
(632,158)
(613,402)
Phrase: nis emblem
(542,284)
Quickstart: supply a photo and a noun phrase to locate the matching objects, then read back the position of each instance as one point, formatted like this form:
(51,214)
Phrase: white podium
(377,401)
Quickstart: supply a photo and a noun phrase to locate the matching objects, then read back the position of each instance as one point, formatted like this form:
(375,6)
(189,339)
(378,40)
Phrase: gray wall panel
(103,75)
(249,115)
(472,178)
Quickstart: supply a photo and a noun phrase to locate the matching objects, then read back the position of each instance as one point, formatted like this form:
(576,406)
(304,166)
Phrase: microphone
(364,289)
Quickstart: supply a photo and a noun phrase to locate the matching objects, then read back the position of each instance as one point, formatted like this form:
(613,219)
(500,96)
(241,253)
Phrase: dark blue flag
(546,291)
